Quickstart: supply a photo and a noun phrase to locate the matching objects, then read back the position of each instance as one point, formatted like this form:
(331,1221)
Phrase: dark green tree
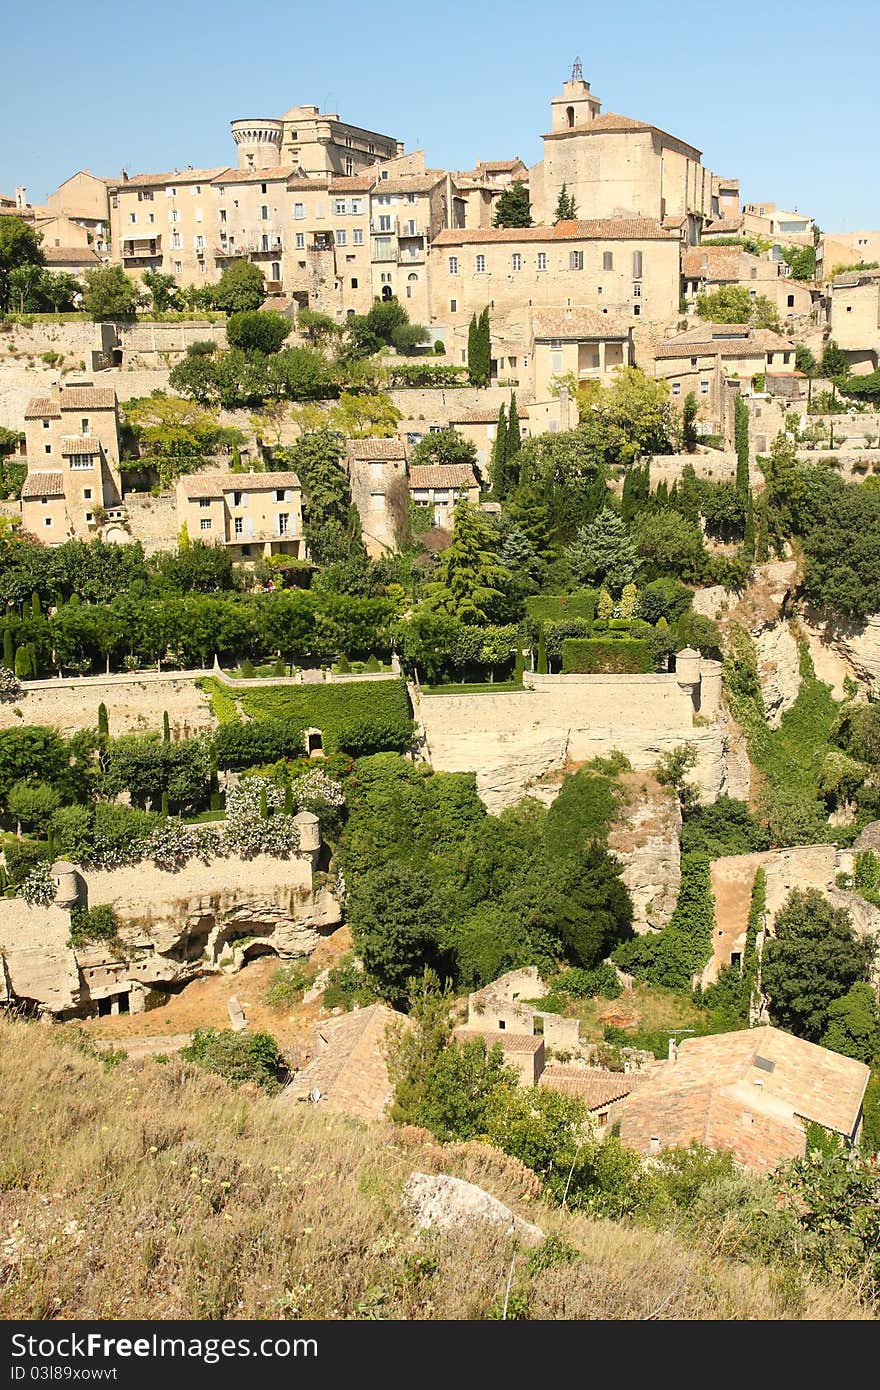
(20,245)
(471,579)
(689,423)
(853,1024)
(241,287)
(513,208)
(257,330)
(741,443)
(833,364)
(108,293)
(813,959)
(498,459)
(395,921)
(566,207)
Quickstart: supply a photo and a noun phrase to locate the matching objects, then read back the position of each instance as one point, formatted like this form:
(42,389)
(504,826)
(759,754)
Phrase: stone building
(349,1072)
(751,1092)
(784,228)
(617,167)
(252,514)
(706,269)
(377,479)
(166,222)
(626,268)
(584,344)
(854,317)
(72,443)
(716,361)
(84,200)
(312,141)
(845,248)
(441,487)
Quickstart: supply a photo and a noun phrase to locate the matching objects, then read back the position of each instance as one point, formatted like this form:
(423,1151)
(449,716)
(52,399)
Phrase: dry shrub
(157,1191)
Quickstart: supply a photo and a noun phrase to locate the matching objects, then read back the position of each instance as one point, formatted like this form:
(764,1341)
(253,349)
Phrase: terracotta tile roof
(352,183)
(43,485)
(216,484)
(510,1042)
(351,1072)
(410,183)
(73,444)
(598,229)
(576,323)
(88,398)
(42,408)
(171,179)
(485,415)
(778,1079)
(442,475)
(376,449)
(594,1086)
(70,255)
(611,123)
(746,342)
(506,164)
(723,226)
(274,174)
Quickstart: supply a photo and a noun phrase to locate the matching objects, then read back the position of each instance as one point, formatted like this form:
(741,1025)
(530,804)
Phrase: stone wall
(152,520)
(521,742)
(134,703)
(174,926)
(157,344)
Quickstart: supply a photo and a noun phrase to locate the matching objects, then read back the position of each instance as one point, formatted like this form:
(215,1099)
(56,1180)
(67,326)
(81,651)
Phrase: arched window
(569,116)
(412,276)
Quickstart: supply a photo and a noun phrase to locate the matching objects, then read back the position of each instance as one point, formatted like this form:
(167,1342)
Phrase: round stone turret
(259,143)
(66,884)
(309,828)
(687,667)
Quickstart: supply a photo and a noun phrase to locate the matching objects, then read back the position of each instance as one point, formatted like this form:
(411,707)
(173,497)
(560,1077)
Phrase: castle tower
(259,143)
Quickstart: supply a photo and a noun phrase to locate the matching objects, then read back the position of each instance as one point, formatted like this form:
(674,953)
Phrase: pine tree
(566,207)
(542,653)
(499,454)
(741,444)
(513,208)
(8,649)
(103,726)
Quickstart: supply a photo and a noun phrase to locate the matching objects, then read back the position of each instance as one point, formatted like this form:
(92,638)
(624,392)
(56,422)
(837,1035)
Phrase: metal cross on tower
(577,72)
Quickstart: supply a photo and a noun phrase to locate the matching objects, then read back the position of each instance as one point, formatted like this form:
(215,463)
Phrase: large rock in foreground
(444,1203)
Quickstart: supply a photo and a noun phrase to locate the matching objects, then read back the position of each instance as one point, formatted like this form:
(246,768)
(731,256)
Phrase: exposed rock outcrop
(173,928)
(645,838)
(778,669)
(444,1203)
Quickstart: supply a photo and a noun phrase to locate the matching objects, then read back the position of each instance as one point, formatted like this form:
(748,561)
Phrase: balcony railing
(406,257)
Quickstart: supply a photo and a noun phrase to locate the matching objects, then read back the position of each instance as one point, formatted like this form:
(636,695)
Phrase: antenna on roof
(577,72)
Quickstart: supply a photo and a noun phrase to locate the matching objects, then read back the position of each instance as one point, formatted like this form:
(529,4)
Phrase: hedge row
(617,656)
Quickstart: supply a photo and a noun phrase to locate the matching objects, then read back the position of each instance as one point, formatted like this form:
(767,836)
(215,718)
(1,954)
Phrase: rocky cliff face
(174,927)
(645,838)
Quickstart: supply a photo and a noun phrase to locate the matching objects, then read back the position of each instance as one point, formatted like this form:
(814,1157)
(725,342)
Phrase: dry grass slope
(155,1191)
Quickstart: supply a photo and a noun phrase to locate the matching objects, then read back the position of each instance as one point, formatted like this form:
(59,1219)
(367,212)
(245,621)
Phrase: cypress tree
(741,444)
(566,207)
(8,649)
(482,350)
(165,805)
(166,727)
(22,663)
(514,436)
(749,531)
(473,352)
(36,608)
(499,454)
(542,653)
(103,725)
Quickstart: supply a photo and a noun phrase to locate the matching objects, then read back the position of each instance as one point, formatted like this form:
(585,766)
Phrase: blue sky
(778,94)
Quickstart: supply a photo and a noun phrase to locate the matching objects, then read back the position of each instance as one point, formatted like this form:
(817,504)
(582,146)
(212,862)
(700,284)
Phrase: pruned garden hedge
(611,656)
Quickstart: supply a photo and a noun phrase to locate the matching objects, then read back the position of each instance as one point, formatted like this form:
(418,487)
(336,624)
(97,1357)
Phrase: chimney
(21,196)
